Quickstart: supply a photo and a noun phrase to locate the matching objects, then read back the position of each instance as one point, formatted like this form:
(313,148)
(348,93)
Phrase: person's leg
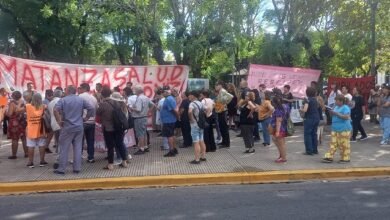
(219,135)
(202,144)
(110,144)
(314,137)
(77,140)
(386,129)
(255,132)
(224,130)
(245,131)
(64,142)
(31,154)
(48,140)
(266,135)
(355,128)
(15,143)
(197,150)
(332,146)
(120,146)
(283,152)
(89,132)
(361,129)
(186,131)
(346,146)
(307,135)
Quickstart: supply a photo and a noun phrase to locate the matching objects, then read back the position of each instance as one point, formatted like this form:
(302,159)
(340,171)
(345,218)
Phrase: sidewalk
(365,154)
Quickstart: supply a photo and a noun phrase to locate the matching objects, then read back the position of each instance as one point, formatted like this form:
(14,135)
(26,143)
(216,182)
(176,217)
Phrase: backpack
(202,124)
(46,120)
(120,120)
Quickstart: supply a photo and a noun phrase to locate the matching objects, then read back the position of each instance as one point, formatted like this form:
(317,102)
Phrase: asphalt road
(361,199)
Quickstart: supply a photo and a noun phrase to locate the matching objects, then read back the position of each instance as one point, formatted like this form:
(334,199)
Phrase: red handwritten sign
(274,76)
(364,84)
(16,73)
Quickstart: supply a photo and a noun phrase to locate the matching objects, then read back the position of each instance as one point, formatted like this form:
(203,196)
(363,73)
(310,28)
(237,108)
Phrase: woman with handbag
(265,111)
(36,131)
(248,120)
(278,125)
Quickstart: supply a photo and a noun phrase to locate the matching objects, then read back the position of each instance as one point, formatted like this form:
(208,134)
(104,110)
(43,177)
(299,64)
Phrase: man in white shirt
(89,125)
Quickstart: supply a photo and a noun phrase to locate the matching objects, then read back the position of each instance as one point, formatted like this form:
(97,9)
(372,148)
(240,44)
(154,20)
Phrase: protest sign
(16,73)
(273,76)
(198,84)
(364,84)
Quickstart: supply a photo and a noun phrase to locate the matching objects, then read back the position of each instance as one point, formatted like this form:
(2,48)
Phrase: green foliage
(214,37)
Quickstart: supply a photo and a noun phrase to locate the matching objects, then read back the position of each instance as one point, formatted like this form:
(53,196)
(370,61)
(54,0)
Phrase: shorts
(168,130)
(36,142)
(140,126)
(196,133)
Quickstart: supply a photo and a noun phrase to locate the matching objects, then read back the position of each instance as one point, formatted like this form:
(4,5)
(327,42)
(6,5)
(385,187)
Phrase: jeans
(357,126)
(114,140)
(310,135)
(266,135)
(89,134)
(255,132)
(385,125)
(223,126)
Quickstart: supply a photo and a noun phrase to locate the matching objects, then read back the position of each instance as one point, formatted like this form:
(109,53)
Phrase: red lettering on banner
(133,74)
(122,79)
(106,78)
(159,71)
(145,75)
(176,73)
(30,78)
(93,73)
(55,83)
(148,91)
(42,74)
(68,78)
(11,68)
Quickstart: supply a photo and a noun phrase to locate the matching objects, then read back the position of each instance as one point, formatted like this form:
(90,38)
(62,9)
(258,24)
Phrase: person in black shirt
(288,98)
(185,121)
(357,114)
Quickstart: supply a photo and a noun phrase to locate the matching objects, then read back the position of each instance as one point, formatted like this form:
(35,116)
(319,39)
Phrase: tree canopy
(213,37)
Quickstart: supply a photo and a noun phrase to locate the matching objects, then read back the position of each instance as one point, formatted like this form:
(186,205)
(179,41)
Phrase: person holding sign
(341,131)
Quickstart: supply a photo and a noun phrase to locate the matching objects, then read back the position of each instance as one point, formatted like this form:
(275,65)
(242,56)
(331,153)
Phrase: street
(356,199)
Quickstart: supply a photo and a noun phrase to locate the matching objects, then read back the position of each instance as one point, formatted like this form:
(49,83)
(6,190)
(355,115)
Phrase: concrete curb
(188,180)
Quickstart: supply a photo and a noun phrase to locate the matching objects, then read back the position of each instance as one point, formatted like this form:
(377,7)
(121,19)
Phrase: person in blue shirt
(341,131)
(169,116)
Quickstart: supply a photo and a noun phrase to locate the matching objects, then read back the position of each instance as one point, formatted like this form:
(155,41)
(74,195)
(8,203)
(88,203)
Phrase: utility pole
(374,6)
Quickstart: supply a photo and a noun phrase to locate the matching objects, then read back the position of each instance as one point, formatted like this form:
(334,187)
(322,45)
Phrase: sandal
(280,160)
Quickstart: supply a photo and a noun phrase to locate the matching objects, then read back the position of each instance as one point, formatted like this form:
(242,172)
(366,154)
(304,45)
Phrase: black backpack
(202,124)
(121,122)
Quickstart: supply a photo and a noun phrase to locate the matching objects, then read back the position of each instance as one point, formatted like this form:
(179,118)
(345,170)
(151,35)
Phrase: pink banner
(16,73)
(274,76)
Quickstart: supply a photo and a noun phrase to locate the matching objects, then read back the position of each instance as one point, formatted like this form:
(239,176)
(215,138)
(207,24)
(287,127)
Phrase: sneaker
(30,165)
(55,166)
(58,172)
(383,143)
(43,163)
(195,162)
(218,141)
(363,138)
(327,160)
(48,151)
(175,151)
(170,154)
(91,161)
(203,159)
(117,162)
(147,150)
(344,161)
(139,152)
(249,151)
(352,140)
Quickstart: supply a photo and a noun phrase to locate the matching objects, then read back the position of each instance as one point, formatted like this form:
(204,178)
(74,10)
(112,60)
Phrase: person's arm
(305,107)
(271,109)
(172,107)
(58,117)
(190,114)
(11,109)
(90,110)
(252,107)
(343,115)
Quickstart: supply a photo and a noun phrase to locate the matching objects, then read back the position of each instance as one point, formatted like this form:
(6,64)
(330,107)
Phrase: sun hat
(116,96)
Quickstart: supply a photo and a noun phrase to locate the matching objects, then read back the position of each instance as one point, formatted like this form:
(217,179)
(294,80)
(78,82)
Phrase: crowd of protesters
(78,117)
